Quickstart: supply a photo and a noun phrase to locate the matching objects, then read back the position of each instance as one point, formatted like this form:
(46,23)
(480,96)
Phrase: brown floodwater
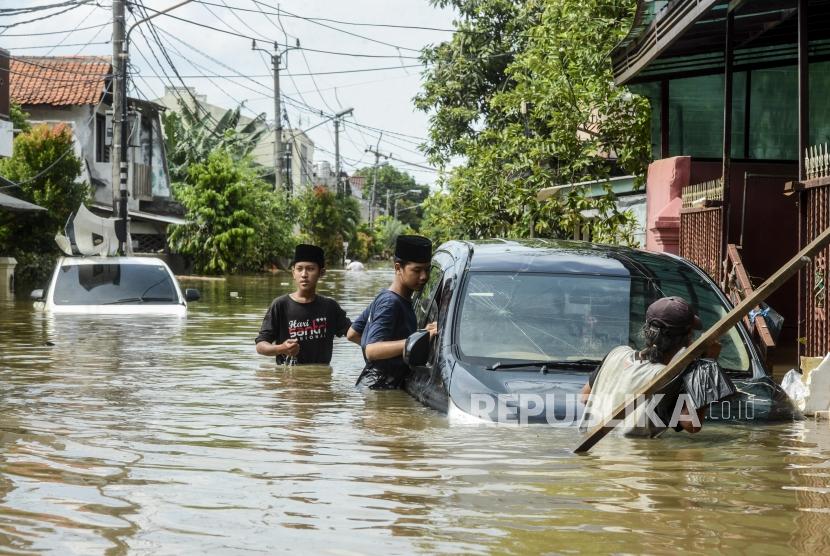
(171,436)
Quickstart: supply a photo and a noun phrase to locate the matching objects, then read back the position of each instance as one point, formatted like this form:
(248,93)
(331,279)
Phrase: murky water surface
(168,436)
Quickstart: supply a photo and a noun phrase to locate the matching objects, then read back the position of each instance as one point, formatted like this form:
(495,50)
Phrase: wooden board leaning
(729,320)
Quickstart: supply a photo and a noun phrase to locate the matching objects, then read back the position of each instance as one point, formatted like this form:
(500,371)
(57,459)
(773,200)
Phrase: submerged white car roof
(73,261)
(177,308)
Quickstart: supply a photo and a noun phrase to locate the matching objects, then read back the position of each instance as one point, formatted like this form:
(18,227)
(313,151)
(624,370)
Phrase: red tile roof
(58,80)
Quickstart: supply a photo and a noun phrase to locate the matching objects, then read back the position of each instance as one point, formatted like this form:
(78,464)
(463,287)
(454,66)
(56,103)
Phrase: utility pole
(122,39)
(337,117)
(118,32)
(375,179)
(276,61)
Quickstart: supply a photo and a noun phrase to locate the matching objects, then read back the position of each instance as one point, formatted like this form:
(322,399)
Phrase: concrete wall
(264,154)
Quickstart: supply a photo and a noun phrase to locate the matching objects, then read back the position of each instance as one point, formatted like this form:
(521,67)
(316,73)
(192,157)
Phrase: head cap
(309,254)
(673,313)
(413,249)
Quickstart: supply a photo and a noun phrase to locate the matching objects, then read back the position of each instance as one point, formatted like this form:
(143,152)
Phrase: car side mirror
(192,294)
(416,349)
(36,295)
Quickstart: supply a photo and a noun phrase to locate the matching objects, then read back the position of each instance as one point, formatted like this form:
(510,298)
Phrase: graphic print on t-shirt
(311,329)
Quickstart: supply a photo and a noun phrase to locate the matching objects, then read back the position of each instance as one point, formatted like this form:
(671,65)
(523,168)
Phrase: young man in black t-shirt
(300,327)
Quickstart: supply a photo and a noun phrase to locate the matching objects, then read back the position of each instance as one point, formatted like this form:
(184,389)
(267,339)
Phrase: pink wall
(664,183)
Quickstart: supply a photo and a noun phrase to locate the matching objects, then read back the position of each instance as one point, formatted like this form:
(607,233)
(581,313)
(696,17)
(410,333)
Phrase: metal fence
(817,197)
(701,226)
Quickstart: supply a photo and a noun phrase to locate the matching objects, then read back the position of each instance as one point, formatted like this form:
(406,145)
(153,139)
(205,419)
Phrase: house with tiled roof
(77,90)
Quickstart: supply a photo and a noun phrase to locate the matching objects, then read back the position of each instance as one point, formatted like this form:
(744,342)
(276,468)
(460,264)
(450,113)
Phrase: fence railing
(817,161)
(702,194)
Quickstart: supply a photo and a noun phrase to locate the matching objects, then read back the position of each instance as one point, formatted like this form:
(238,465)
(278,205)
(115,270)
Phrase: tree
(190,138)
(524,92)
(400,185)
(19,118)
(328,220)
(47,171)
(235,221)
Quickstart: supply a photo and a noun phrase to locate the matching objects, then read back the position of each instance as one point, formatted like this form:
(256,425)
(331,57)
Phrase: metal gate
(701,226)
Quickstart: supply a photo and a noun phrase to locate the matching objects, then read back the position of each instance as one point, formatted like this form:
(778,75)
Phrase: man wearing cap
(668,330)
(300,327)
(383,327)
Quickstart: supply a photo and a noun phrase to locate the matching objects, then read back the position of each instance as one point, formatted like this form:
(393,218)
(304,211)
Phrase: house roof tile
(58,80)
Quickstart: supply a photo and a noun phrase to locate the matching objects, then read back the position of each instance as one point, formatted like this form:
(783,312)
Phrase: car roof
(73,261)
(570,257)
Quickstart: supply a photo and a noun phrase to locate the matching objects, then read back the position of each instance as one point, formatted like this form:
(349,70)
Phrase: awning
(621,185)
(149,216)
(18,205)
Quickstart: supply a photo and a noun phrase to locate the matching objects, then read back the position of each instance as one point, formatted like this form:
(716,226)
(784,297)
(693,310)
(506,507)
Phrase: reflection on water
(169,436)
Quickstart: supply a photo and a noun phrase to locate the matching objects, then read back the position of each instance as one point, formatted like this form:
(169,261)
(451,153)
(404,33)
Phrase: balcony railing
(703,194)
(817,162)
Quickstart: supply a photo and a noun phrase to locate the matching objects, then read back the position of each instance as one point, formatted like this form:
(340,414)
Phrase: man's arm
(353,335)
(393,348)
(289,347)
(385,350)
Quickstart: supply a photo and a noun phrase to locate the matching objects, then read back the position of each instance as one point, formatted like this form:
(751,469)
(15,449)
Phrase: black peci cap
(309,254)
(673,313)
(413,249)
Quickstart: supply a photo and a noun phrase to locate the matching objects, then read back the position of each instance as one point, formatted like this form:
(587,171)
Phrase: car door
(431,305)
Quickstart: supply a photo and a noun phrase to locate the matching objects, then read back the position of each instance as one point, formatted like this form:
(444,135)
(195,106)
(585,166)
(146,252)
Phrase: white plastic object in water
(89,235)
(818,384)
(795,388)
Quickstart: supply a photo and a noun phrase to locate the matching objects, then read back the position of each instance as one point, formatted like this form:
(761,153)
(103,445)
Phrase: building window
(773,110)
(696,116)
(819,103)
(102,150)
(651,91)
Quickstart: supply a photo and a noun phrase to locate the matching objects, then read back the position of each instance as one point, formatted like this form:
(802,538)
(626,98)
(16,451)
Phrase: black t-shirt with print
(313,324)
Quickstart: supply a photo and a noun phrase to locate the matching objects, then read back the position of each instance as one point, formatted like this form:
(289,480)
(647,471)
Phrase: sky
(224,67)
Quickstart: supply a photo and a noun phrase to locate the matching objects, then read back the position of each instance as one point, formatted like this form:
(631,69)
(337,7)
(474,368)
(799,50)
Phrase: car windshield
(514,317)
(114,283)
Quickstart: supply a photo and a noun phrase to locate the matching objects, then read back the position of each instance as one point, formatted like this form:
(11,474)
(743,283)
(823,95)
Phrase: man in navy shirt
(382,328)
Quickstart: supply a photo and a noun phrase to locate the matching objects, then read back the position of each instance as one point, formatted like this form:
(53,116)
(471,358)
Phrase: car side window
(424,304)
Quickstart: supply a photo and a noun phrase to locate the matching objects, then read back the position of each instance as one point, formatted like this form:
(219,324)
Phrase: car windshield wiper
(138,300)
(544,365)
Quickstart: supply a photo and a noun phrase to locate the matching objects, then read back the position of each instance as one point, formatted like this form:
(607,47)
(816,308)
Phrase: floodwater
(168,436)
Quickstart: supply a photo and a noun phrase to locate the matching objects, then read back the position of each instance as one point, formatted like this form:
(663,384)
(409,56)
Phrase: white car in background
(114,286)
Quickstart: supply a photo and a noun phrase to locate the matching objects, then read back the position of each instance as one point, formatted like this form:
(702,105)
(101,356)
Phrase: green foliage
(235,221)
(191,136)
(328,220)
(552,58)
(45,166)
(400,185)
(386,232)
(19,118)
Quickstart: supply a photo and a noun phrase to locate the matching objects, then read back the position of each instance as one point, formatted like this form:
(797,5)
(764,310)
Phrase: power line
(319,51)
(72,6)
(364,37)
(341,22)
(55,32)
(54,46)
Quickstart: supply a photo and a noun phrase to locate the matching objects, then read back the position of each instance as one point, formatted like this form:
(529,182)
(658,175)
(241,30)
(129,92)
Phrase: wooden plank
(729,320)
(746,290)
